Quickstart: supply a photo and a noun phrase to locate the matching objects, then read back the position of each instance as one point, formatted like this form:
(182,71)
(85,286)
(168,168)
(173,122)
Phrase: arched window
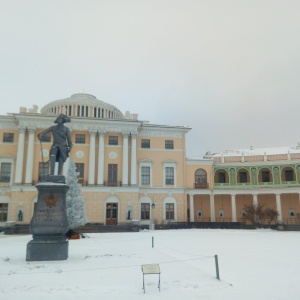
(265,175)
(200,179)
(288,174)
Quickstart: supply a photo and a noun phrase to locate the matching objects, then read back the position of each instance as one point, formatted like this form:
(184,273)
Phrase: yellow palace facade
(135,171)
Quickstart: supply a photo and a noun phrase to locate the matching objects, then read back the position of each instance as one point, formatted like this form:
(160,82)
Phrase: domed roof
(83,105)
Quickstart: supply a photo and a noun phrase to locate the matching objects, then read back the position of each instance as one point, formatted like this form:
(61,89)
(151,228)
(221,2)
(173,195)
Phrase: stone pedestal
(49,223)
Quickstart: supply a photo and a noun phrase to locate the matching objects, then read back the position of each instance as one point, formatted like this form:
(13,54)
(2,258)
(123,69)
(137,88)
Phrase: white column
(192,215)
(30,155)
(278,207)
(255,202)
(92,162)
(125,160)
(133,158)
(233,208)
(20,156)
(212,208)
(100,179)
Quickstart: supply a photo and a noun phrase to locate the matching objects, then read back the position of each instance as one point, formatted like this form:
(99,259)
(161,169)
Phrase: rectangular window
(113,140)
(265,176)
(8,138)
(80,138)
(169,144)
(112,174)
(169,176)
(169,211)
(243,177)
(221,177)
(145,211)
(145,143)
(43,169)
(145,175)
(289,176)
(80,170)
(5,172)
(3,212)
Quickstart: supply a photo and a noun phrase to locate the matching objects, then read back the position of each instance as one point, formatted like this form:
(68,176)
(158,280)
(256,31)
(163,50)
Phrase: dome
(83,105)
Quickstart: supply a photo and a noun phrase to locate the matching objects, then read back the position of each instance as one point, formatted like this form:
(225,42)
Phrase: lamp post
(152,226)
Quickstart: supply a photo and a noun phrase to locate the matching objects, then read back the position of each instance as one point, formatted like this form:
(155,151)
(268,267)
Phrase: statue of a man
(62,143)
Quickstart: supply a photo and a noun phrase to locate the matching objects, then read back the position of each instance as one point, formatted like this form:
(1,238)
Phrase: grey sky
(228,69)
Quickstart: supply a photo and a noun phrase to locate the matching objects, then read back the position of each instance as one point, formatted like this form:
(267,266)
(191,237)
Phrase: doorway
(111,213)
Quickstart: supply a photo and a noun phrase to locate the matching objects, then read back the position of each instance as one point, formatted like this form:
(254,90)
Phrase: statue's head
(63,118)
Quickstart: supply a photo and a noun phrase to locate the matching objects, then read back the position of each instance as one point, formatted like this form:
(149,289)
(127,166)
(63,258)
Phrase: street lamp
(152,223)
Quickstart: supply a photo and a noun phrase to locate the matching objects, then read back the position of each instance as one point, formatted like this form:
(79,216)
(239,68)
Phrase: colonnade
(92,157)
(233,205)
(101,153)
(85,111)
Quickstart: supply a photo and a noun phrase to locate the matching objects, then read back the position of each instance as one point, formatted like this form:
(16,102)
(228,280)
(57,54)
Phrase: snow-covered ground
(254,264)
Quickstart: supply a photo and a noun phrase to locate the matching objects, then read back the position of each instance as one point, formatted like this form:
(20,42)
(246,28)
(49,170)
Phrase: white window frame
(145,164)
(10,161)
(171,200)
(148,200)
(169,165)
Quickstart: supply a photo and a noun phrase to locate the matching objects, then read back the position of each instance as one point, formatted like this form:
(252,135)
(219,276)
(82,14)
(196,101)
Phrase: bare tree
(258,214)
(271,214)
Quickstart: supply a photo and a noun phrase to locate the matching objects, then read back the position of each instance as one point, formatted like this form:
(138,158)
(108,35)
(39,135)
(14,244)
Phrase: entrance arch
(112,210)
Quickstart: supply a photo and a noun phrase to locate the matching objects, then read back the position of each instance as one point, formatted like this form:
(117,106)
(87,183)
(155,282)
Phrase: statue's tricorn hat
(65,118)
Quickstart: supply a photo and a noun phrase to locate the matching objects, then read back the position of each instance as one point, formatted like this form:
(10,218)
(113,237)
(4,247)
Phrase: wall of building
(214,202)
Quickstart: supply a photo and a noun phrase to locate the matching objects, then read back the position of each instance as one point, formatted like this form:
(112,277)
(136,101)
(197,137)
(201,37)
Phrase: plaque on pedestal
(49,223)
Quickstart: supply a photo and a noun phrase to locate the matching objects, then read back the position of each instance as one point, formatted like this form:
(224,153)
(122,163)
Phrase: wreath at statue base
(72,235)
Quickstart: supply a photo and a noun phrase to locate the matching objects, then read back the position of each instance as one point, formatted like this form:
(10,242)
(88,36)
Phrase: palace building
(132,170)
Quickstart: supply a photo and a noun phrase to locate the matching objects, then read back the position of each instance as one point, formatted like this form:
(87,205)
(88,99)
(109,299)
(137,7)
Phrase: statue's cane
(42,158)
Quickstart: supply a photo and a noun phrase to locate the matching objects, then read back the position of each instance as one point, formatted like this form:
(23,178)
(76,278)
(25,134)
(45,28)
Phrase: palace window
(112,174)
(3,212)
(80,138)
(200,178)
(145,175)
(265,176)
(169,144)
(5,172)
(8,138)
(289,176)
(169,175)
(145,211)
(221,177)
(169,211)
(145,143)
(243,177)
(113,140)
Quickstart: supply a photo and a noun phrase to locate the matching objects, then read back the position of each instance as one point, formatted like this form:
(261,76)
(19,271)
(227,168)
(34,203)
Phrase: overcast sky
(228,69)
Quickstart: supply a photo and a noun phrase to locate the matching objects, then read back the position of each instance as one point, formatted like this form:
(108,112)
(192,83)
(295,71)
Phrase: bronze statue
(62,143)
